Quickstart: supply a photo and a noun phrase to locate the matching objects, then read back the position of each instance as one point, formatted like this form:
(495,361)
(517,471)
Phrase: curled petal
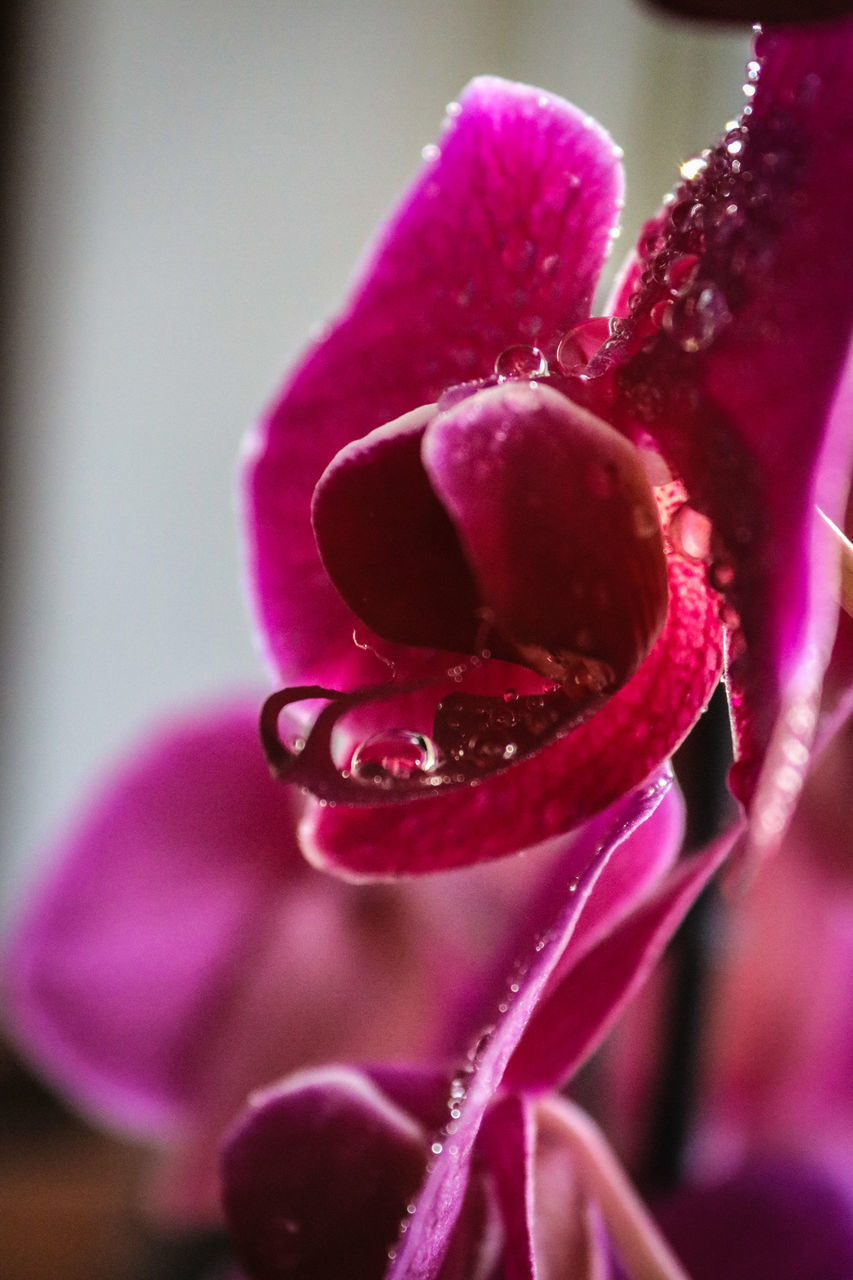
(577,775)
(560,527)
(499,242)
(388,544)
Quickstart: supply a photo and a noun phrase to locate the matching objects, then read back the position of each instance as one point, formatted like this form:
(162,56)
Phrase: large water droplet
(394,753)
(579,345)
(690,533)
(521,362)
(697,317)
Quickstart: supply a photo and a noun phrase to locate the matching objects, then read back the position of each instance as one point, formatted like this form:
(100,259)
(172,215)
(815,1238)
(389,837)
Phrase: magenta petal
(602,973)
(388,544)
(317,1175)
(421,1251)
(505,1144)
(560,527)
(116,975)
(551,793)
(773,1219)
(748,273)
(499,242)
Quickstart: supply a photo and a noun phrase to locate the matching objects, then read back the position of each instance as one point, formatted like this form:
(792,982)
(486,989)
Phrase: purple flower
(179,952)
(491,538)
(483,1166)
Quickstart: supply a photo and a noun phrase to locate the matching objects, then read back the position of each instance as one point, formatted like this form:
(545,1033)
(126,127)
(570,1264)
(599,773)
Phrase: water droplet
(692,168)
(690,533)
(510,695)
(437,1148)
(697,318)
(721,575)
(580,344)
(680,271)
(658,312)
(394,753)
(729,616)
(753,69)
(521,362)
(454,109)
(478,1049)
(430,152)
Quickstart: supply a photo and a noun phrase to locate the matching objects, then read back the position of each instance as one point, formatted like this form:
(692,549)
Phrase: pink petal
(388,544)
(744,386)
(420,1253)
(558,788)
(505,1144)
(117,974)
(317,1175)
(559,524)
(771,1218)
(602,973)
(499,242)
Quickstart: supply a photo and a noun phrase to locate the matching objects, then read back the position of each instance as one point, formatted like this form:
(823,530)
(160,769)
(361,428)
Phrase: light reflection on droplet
(394,753)
(690,533)
(521,361)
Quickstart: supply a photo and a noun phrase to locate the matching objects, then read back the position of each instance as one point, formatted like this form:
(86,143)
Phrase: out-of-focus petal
(778,1048)
(748,11)
(317,1175)
(118,972)
(505,1144)
(772,1218)
(499,242)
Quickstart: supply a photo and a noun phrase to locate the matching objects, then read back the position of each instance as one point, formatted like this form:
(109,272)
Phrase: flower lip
(512,525)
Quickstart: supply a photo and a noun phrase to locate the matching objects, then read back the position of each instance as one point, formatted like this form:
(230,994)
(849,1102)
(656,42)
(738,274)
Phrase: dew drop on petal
(394,753)
(721,575)
(696,318)
(579,345)
(521,361)
(680,270)
(693,167)
(690,533)
(729,616)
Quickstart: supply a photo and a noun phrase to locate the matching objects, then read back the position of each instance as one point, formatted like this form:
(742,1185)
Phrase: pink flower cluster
(500,553)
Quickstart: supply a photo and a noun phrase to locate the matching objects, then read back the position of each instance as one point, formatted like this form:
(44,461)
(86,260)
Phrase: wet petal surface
(499,242)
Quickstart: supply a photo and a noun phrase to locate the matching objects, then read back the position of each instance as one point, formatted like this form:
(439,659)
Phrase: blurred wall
(195,183)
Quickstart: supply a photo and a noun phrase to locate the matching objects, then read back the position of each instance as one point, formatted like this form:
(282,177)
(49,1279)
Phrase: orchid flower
(488,1170)
(178,952)
(475,512)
